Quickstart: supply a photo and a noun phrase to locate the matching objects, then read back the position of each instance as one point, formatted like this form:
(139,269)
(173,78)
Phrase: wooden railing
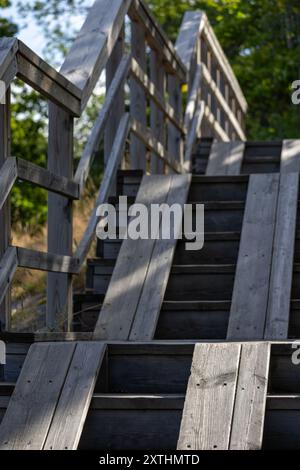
(147,114)
(216,106)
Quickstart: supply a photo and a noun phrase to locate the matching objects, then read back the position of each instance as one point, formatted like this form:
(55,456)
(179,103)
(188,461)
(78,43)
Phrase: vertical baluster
(118,106)
(158,127)
(138,100)
(175,139)
(60,230)
(5,219)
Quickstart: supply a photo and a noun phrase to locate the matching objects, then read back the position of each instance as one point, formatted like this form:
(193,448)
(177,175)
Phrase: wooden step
(186,282)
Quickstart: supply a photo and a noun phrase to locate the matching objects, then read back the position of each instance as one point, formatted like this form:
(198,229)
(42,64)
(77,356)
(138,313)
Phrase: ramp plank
(31,408)
(251,286)
(156,280)
(278,313)
(290,156)
(250,402)
(225,158)
(209,402)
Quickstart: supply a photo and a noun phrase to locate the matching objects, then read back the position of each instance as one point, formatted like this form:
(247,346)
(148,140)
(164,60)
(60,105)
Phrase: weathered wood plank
(278,312)
(30,72)
(157,117)
(209,402)
(175,134)
(8,266)
(225,158)
(93,143)
(27,171)
(251,395)
(146,135)
(32,259)
(251,286)
(60,230)
(138,103)
(155,284)
(127,281)
(106,185)
(93,45)
(8,50)
(8,176)
(75,399)
(118,104)
(5,215)
(193,134)
(31,408)
(188,37)
(290,156)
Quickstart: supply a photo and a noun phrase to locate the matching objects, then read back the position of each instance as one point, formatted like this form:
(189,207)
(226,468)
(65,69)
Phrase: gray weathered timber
(193,134)
(60,231)
(8,176)
(33,259)
(209,402)
(5,219)
(93,143)
(138,103)
(157,118)
(8,50)
(251,395)
(189,35)
(74,402)
(118,104)
(193,99)
(127,281)
(251,286)
(8,267)
(157,39)
(145,134)
(27,171)
(31,408)
(175,134)
(30,73)
(93,45)
(106,186)
(157,276)
(290,156)
(278,312)
(225,158)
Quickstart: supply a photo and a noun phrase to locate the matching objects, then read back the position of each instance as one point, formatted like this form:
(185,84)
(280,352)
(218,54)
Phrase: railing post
(60,230)
(138,103)
(118,107)
(175,139)
(5,218)
(157,118)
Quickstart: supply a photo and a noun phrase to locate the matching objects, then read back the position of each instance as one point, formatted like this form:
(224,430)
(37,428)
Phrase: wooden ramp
(226,397)
(51,399)
(225,158)
(137,287)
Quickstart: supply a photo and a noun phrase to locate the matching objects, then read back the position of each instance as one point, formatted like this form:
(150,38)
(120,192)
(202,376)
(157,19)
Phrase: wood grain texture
(290,156)
(138,103)
(8,267)
(225,158)
(251,395)
(31,408)
(8,50)
(157,118)
(73,405)
(252,278)
(188,36)
(209,402)
(278,313)
(155,283)
(32,259)
(127,281)
(8,176)
(175,134)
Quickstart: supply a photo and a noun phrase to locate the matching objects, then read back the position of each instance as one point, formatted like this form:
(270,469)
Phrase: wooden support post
(175,140)
(158,127)
(138,98)
(5,223)
(118,104)
(60,230)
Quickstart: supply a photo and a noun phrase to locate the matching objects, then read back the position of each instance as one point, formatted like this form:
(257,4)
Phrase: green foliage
(261,39)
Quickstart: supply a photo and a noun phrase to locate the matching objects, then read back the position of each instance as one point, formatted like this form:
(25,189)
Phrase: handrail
(99,46)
